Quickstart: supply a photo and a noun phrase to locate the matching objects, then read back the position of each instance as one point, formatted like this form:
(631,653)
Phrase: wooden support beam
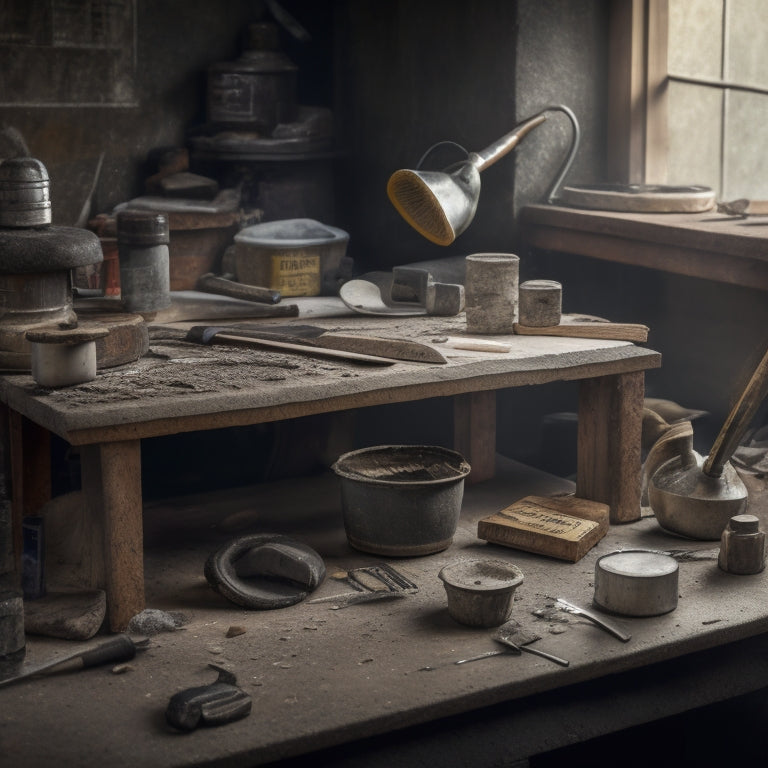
(30,465)
(609,461)
(474,432)
(112,481)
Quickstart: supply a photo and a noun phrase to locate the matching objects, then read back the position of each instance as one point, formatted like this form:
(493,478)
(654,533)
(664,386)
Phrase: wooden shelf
(706,245)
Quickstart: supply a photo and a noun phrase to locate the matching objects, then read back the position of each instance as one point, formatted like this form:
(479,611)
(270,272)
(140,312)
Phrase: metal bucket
(401,500)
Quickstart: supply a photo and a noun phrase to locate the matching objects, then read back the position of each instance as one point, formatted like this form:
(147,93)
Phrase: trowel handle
(545,655)
(738,420)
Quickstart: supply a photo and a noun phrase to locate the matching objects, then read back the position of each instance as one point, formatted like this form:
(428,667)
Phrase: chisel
(119,648)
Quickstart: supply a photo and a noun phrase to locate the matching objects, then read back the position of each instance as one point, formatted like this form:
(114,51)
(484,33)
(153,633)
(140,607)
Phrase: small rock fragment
(152,621)
(234,631)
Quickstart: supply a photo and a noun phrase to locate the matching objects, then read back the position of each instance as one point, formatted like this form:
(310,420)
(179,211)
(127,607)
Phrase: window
(689,94)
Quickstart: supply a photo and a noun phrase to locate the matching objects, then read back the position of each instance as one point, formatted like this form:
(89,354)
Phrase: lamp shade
(437,204)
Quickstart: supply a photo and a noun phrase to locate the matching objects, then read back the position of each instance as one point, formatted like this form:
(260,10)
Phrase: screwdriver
(118,648)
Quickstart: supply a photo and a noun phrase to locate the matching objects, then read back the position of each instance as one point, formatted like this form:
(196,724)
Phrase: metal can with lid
(142,244)
(636,582)
(742,546)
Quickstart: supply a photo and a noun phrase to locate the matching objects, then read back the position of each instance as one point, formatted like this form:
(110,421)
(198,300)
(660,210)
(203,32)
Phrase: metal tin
(298,257)
(742,546)
(540,303)
(142,238)
(480,591)
(636,582)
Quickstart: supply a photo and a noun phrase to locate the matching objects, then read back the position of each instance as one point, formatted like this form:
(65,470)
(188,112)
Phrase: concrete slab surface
(321,677)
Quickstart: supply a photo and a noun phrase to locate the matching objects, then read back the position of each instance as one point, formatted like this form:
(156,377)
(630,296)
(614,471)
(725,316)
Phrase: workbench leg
(474,432)
(112,483)
(610,423)
(29,446)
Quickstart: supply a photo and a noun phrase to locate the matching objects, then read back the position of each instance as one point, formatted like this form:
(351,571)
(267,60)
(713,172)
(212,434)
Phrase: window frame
(638,140)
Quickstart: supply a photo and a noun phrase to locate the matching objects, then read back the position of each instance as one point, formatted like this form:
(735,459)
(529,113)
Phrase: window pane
(746,161)
(695,37)
(694,134)
(748,42)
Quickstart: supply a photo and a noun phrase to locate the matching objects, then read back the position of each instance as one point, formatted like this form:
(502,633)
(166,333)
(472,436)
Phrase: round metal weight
(636,583)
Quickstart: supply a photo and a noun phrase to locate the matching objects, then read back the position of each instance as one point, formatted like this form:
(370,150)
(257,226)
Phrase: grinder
(36,260)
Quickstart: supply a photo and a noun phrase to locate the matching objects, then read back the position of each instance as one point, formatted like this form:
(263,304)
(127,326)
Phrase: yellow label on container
(531,518)
(295,275)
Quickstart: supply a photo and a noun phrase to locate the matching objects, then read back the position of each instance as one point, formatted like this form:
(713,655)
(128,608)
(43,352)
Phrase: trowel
(695,496)
(516,640)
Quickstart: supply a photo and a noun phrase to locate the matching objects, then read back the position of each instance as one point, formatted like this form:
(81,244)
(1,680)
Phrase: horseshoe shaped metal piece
(264,571)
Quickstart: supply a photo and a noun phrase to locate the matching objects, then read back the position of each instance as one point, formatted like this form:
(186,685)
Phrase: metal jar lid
(142,228)
(24,193)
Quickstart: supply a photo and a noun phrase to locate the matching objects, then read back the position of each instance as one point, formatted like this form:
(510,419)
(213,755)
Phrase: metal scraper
(514,636)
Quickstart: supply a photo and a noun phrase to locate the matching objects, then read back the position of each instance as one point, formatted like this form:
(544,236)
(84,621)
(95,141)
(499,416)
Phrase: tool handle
(738,420)
(488,654)
(545,655)
(211,283)
(598,621)
(612,629)
(119,648)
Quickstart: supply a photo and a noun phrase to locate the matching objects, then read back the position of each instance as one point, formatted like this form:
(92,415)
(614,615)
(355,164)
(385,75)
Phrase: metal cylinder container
(491,292)
(142,244)
(540,303)
(636,582)
(742,546)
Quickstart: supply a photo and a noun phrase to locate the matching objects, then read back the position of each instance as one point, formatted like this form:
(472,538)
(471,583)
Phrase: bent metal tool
(598,621)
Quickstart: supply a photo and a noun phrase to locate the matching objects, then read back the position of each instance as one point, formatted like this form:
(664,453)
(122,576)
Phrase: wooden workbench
(377,684)
(181,387)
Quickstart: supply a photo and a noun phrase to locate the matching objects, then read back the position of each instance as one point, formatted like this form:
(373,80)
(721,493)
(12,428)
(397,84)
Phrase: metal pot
(401,500)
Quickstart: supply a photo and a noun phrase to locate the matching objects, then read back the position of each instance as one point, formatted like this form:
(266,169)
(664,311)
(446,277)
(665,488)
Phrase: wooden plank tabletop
(181,386)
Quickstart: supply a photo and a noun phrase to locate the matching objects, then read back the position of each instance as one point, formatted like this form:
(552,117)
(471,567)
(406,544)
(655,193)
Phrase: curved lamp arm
(441,204)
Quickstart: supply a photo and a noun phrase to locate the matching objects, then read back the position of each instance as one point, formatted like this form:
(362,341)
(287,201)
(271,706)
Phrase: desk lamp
(440,205)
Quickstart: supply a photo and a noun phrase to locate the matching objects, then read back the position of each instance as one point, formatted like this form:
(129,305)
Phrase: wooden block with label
(564,527)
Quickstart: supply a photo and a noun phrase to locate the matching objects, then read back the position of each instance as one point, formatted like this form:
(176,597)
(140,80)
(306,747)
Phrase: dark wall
(411,74)
(160,94)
